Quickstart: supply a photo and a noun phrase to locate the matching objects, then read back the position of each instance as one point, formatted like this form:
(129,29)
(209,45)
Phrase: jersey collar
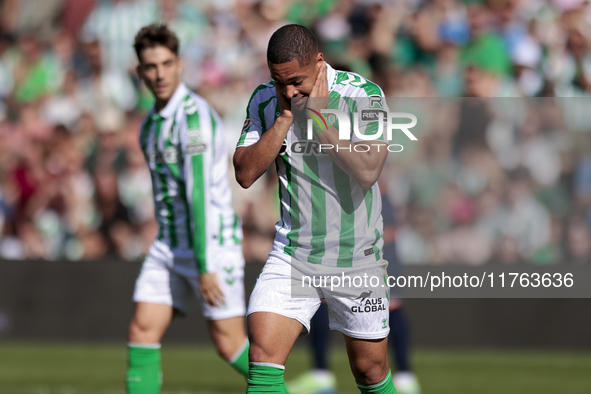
(174,102)
(330,76)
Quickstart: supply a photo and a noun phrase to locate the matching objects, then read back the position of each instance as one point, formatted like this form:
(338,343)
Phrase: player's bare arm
(365,167)
(250,162)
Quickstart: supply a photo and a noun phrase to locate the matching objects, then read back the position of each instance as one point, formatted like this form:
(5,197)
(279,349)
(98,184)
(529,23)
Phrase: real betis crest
(194,137)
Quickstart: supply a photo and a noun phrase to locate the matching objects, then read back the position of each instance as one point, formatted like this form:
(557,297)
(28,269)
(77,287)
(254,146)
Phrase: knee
(225,349)
(369,370)
(259,353)
(139,333)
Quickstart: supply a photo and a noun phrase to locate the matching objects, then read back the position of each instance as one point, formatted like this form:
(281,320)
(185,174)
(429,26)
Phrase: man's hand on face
(284,104)
(319,92)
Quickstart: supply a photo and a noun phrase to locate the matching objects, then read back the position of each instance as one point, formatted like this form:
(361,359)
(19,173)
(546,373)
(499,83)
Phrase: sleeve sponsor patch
(246,125)
(375,101)
(370,115)
(374,110)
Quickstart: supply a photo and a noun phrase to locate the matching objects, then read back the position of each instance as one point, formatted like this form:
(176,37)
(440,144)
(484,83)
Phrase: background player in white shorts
(198,247)
(330,216)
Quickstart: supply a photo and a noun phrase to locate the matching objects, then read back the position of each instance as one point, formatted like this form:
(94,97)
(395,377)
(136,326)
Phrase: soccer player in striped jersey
(330,215)
(199,244)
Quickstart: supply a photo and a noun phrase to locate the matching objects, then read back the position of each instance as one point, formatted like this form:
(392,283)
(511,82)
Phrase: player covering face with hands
(198,247)
(330,214)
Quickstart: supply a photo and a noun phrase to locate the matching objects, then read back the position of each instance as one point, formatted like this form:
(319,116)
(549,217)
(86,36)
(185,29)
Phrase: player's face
(161,70)
(293,80)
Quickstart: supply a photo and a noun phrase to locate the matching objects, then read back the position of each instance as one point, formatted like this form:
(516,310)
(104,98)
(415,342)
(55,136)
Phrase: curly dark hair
(154,35)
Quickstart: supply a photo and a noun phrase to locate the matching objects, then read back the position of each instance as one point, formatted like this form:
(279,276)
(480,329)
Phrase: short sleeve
(252,129)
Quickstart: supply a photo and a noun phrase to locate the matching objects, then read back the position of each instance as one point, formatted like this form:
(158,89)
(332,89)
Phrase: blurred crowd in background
(488,180)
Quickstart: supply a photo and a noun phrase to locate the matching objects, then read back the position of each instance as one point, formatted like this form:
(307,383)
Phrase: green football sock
(265,378)
(384,387)
(240,359)
(144,373)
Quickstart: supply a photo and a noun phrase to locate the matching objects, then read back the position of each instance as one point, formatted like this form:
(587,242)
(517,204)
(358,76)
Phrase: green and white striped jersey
(326,217)
(184,148)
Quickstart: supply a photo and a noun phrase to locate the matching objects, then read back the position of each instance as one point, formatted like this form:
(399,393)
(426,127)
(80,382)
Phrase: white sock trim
(268,365)
(144,345)
(239,352)
(373,386)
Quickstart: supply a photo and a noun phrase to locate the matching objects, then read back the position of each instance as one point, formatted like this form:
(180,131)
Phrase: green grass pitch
(58,368)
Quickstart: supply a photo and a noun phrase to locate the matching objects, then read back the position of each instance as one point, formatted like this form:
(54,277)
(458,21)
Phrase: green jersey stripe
(368,198)
(318,199)
(198,202)
(213,129)
(347,233)
(376,251)
(213,125)
(173,167)
(294,215)
(166,197)
(351,103)
(235,228)
(241,139)
(371,89)
(262,107)
(221,229)
(199,238)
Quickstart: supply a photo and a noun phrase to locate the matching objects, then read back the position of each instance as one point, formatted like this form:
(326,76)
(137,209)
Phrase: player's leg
(275,320)
(272,337)
(149,323)
(319,380)
(159,294)
(368,359)
(364,323)
(229,338)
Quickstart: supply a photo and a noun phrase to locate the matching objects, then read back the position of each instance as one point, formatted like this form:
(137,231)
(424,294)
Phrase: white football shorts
(362,318)
(171,280)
